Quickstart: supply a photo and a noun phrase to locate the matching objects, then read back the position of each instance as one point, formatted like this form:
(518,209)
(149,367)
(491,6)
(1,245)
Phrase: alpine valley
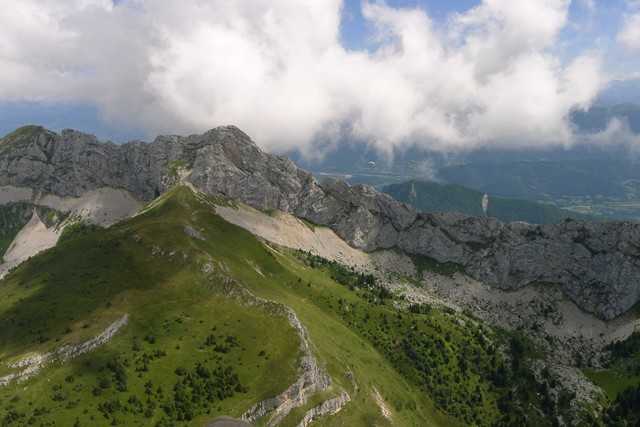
(199,281)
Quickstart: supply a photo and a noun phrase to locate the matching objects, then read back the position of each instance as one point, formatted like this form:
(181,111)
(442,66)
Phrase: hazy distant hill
(435,197)
(536,179)
(598,117)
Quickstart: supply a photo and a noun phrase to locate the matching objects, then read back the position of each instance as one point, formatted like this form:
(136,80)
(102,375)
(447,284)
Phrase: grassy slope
(612,381)
(151,269)
(623,369)
(410,358)
(281,279)
(353,333)
(74,291)
(342,349)
(435,197)
(621,382)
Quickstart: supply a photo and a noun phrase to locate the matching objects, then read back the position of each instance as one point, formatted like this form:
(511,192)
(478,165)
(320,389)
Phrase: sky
(303,74)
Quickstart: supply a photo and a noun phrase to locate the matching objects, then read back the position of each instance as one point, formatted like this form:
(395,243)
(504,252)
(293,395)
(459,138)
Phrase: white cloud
(589,5)
(617,133)
(629,35)
(633,4)
(277,69)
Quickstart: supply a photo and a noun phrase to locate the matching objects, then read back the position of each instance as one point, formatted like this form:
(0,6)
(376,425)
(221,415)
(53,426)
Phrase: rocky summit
(595,264)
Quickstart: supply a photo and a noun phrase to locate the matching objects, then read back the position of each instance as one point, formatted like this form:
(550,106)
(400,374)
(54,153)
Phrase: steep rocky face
(597,264)
(73,163)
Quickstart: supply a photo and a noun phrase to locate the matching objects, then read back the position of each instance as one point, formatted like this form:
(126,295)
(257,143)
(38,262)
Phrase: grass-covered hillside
(203,331)
(429,196)
(621,382)
(182,335)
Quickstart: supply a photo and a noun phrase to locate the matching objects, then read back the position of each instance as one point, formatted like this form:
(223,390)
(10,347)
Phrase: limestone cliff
(596,264)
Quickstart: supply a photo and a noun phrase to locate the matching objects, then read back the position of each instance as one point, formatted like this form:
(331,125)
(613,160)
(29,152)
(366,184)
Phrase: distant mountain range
(430,196)
(598,117)
(539,179)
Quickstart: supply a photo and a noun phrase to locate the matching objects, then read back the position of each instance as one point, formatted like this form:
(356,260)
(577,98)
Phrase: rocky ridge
(31,365)
(596,264)
(312,377)
(326,408)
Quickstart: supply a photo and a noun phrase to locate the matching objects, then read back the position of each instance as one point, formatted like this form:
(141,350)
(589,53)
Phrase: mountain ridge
(593,263)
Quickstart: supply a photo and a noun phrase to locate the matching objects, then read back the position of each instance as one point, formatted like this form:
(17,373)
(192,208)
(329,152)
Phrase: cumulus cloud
(589,5)
(629,35)
(277,69)
(617,133)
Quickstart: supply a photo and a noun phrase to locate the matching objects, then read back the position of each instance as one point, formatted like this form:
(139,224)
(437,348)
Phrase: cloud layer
(277,69)
(629,35)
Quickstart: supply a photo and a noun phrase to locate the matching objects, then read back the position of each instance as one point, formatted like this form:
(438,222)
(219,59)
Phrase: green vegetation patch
(624,409)
(623,368)
(175,167)
(621,381)
(473,373)
(23,132)
(188,354)
(189,334)
(77,230)
(425,263)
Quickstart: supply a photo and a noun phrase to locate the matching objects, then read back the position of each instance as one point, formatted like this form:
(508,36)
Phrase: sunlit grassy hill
(176,317)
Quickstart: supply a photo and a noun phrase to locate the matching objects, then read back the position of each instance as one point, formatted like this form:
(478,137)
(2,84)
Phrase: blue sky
(591,25)
(121,91)
(354,28)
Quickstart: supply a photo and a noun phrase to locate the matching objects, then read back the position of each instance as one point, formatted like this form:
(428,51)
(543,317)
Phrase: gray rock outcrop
(596,264)
(33,364)
(313,378)
(326,408)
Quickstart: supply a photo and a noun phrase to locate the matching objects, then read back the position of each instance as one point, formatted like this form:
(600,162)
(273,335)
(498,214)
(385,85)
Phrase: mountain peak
(28,132)
(230,132)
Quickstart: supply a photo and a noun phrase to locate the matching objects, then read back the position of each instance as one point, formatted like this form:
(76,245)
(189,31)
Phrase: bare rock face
(596,264)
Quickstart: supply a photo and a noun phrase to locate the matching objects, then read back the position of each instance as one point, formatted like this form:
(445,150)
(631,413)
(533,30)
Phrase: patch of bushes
(199,388)
(470,372)
(424,263)
(77,230)
(626,348)
(624,411)
(349,278)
